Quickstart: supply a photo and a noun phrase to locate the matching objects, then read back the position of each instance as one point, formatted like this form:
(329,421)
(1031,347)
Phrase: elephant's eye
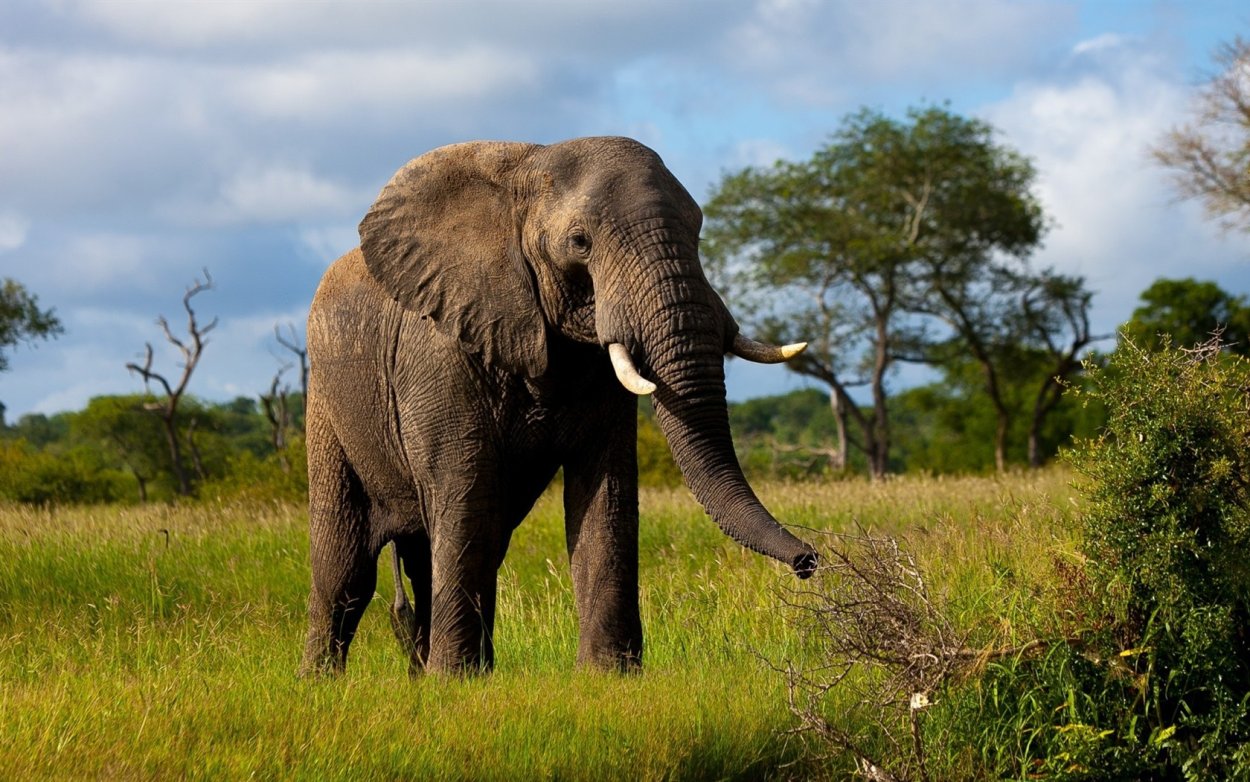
(579,243)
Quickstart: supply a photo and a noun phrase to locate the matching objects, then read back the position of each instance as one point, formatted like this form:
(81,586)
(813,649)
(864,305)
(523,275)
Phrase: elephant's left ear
(441,238)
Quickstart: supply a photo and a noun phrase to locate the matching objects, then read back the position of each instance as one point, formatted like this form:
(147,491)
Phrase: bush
(1143,668)
(1167,533)
(282,478)
(1151,679)
(41,478)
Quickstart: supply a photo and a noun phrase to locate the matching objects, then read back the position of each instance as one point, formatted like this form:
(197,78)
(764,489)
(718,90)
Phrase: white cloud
(1118,222)
(13,230)
(819,53)
(270,194)
(337,84)
(325,243)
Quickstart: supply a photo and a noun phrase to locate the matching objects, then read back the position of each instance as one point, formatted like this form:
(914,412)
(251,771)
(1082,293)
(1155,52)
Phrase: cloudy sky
(144,140)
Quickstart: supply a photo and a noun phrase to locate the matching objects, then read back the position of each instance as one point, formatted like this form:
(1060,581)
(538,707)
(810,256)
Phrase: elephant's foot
(611,661)
(324,657)
(323,666)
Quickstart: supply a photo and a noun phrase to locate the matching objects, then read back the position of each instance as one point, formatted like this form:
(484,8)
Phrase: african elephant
(506,303)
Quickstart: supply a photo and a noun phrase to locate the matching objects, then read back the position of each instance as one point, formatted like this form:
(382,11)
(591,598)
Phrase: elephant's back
(347,311)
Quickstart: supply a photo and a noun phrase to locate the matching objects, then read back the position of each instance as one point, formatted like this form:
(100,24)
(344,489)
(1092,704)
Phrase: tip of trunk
(805,564)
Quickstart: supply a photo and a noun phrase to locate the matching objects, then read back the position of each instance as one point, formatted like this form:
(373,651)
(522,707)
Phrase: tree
(122,427)
(167,408)
(1190,312)
(891,221)
(1211,156)
(21,320)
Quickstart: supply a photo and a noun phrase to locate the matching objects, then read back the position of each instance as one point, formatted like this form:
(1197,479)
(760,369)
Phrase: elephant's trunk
(690,407)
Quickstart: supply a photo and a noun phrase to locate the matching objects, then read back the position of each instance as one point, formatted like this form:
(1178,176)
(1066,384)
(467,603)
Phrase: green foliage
(1189,312)
(899,239)
(1168,530)
(1148,674)
(40,478)
(21,320)
(115,450)
(655,459)
(252,478)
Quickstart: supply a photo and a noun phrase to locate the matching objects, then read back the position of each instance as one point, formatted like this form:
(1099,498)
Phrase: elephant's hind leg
(411,620)
(344,570)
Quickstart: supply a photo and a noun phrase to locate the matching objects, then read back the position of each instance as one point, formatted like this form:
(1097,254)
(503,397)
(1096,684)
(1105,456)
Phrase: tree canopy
(1190,312)
(21,319)
(899,240)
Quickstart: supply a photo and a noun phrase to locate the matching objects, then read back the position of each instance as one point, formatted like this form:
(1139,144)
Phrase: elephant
(506,305)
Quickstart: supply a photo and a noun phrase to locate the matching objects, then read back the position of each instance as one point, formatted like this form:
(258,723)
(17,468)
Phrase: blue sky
(141,141)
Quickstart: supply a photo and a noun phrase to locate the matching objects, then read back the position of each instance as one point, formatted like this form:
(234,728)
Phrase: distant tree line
(899,241)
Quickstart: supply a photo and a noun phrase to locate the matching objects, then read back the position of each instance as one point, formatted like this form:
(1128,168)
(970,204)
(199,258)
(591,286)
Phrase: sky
(143,141)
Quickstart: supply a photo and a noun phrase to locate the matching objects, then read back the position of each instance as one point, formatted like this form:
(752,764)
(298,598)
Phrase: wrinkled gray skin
(458,359)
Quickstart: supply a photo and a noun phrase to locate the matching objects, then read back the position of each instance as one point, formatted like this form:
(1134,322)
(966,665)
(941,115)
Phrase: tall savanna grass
(162,642)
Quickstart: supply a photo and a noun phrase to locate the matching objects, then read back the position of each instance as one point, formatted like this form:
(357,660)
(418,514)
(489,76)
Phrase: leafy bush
(1150,678)
(1140,664)
(276,477)
(1167,533)
(42,478)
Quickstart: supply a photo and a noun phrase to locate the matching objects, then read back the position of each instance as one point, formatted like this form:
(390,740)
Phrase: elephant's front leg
(467,550)
(601,517)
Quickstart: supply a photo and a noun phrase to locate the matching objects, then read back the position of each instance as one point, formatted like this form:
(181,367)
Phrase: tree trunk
(1000,439)
(195,452)
(1035,447)
(838,459)
(175,455)
(878,444)
(143,486)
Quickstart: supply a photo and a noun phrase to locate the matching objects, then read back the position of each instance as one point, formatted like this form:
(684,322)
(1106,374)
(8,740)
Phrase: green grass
(162,642)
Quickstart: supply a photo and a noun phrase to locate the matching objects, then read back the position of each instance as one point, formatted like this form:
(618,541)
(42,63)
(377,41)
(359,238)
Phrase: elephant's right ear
(440,239)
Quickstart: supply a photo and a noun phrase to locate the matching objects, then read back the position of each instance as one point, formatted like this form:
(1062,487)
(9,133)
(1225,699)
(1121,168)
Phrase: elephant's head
(505,245)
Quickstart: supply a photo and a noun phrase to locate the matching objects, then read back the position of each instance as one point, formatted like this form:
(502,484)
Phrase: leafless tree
(1210,157)
(297,346)
(166,408)
(278,413)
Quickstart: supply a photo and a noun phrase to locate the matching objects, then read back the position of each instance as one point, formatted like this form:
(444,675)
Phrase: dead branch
(300,349)
(277,412)
(167,408)
(887,647)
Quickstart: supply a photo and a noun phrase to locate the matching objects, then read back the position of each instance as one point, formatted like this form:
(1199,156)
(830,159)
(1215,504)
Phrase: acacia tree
(1210,156)
(891,221)
(166,408)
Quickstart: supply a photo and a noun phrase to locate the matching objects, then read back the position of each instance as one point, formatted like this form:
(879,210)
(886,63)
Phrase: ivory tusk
(626,372)
(763,353)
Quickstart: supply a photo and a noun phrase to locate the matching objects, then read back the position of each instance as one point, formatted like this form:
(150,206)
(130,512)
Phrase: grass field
(162,642)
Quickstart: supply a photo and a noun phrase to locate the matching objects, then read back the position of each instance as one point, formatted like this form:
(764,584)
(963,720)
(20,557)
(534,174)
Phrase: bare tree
(1210,157)
(278,413)
(166,408)
(299,348)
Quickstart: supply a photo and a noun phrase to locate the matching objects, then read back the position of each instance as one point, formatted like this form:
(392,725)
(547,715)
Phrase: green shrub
(1167,533)
(74,477)
(1150,675)
(270,478)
